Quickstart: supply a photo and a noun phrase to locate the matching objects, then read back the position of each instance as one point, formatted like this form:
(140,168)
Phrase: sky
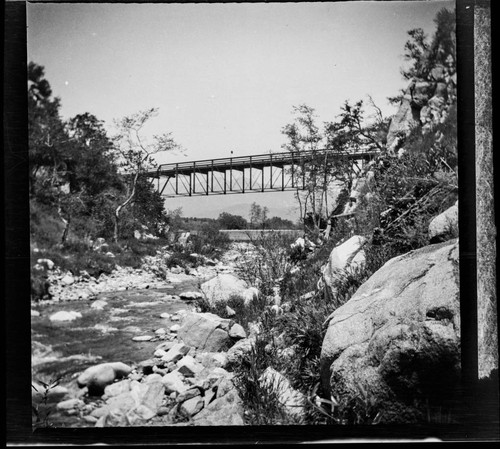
(224,77)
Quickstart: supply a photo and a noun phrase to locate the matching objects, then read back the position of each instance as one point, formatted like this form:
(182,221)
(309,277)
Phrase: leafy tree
(327,160)
(46,134)
(258,216)
(135,155)
(230,221)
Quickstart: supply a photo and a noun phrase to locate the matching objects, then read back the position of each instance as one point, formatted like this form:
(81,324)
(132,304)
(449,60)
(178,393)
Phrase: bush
(270,261)
(209,241)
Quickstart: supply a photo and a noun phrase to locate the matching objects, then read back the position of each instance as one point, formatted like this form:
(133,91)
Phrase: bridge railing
(259,159)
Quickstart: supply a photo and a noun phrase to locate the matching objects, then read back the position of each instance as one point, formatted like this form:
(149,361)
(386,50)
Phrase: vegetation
(72,204)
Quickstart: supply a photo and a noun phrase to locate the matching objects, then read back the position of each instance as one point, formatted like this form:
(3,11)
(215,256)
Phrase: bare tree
(135,154)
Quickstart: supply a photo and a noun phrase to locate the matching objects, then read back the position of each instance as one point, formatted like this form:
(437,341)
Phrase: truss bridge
(269,172)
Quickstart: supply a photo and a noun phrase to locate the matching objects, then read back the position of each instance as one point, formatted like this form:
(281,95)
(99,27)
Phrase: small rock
(160,353)
(190,296)
(143,338)
(165,315)
(68,279)
(35,312)
(65,316)
(175,318)
(175,353)
(189,367)
(230,312)
(160,331)
(188,394)
(90,419)
(47,262)
(165,346)
(117,388)
(173,383)
(192,406)
(237,332)
(175,328)
(99,304)
(70,404)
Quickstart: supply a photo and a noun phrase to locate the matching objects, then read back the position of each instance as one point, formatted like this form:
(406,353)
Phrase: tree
(230,221)
(46,134)
(258,216)
(135,155)
(328,150)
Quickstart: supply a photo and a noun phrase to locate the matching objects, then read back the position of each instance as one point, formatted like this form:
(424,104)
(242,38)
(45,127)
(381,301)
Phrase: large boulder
(444,226)
(396,341)
(205,331)
(344,259)
(223,286)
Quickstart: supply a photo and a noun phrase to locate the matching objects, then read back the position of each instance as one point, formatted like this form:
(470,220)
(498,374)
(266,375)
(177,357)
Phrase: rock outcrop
(397,338)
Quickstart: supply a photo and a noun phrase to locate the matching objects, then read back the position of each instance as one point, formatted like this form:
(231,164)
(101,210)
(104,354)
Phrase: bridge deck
(256,161)
(244,174)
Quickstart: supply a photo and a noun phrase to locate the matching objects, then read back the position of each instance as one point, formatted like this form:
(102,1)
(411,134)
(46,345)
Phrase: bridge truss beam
(259,173)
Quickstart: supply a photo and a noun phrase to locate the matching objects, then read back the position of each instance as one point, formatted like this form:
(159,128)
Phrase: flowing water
(62,349)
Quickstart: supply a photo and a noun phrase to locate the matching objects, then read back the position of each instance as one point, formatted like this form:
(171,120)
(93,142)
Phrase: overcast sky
(224,76)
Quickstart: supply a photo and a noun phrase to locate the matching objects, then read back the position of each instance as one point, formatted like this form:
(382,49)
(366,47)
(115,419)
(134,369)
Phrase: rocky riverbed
(134,318)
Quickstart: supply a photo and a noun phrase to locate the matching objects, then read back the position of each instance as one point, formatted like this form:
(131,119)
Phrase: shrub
(270,261)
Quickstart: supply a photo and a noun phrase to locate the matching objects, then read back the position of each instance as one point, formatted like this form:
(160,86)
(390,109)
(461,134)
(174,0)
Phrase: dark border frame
(17,280)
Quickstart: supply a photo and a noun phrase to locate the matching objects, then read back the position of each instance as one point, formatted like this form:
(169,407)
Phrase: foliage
(269,262)
(134,155)
(258,216)
(230,221)
(423,55)
(41,410)
(209,242)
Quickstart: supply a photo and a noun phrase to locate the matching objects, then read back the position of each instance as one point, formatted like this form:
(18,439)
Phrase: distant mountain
(280,204)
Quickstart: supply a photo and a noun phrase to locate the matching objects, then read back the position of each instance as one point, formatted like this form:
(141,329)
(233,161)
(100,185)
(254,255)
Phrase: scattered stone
(175,353)
(143,338)
(240,349)
(65,316)
(230,312)
(190,296)
(117,388)
(188,394)
(160,331)
(69,404)
(189,367)
(97,377)
(205,331)
(192,406)
(293,400)
(224,411)
(165,315)
(98,304)
(175,328)
(173,383)
(165,346)
(237,332)
(35,312)
(212,359)
(68,279)
(47,262)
